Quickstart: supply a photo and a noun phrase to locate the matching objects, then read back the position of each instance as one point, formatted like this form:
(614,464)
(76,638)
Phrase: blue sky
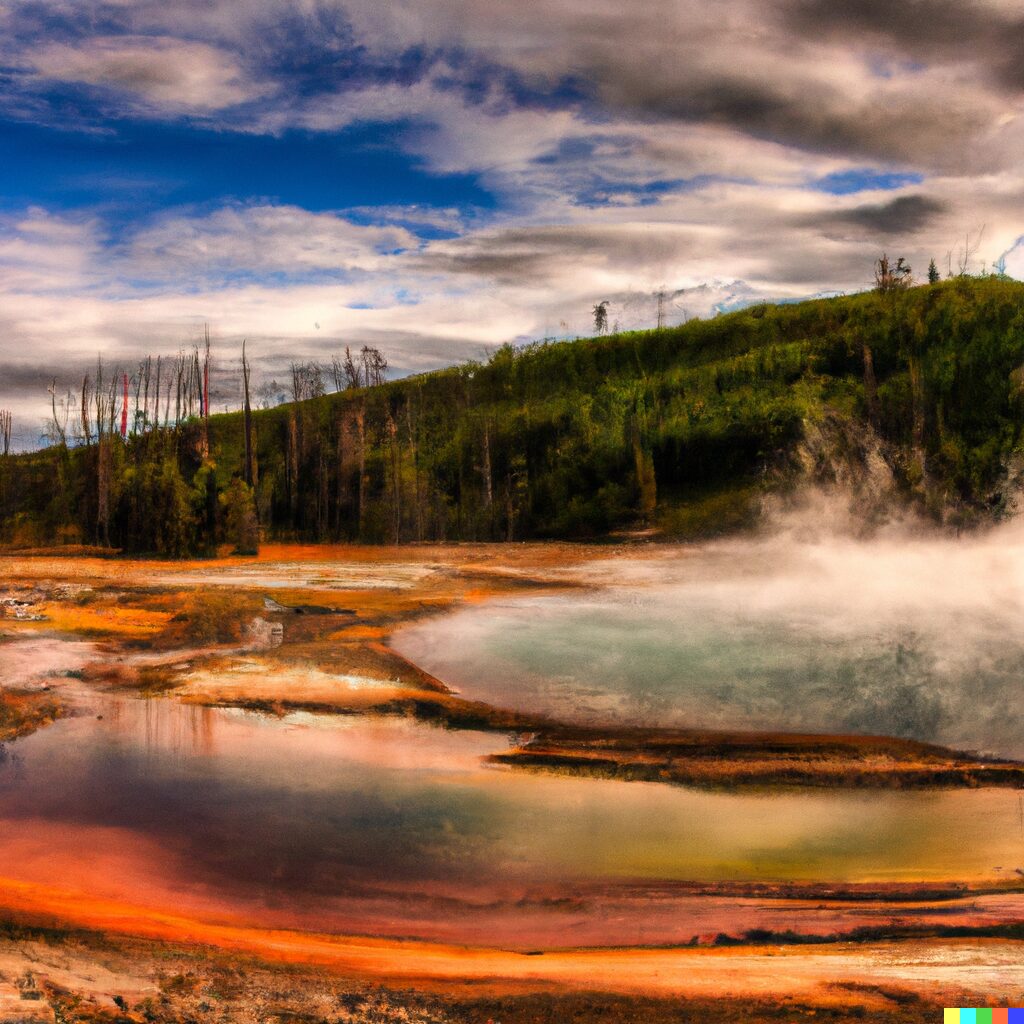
(439,177)
(135,169)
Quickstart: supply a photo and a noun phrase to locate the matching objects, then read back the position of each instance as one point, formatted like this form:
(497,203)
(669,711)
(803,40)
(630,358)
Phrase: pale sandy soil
(961,972)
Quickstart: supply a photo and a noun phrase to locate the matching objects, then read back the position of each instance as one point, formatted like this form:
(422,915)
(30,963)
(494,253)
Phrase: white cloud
(40,252)
(160,72)
(262,239)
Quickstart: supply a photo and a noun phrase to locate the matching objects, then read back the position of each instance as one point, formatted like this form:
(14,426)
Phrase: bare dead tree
(97,398)
(411,423)
(374,366)
(86,399)
(202,368)
(967,252)
(156,396)
(112,406)
(104,404)
(351,371)
(246,418)
(197,384)
(337,372)
(6,424)
(345,372)
(179,374)
(57,425)
(206,374)
(395,458)
(270,393)
(892,277)
(139,381)
(485,470)
(307,381)
(124,407)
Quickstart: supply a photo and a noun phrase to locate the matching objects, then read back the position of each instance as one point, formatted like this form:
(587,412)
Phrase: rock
(24,1005)
(261,633)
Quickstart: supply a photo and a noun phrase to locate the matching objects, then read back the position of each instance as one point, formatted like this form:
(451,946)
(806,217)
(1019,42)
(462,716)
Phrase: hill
(910,398)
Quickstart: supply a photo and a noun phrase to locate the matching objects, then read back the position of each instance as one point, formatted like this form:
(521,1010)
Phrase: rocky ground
(56,977)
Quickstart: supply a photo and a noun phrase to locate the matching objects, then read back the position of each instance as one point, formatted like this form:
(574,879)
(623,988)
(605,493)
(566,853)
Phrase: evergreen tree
(241,529)
(174,533)
(933,273)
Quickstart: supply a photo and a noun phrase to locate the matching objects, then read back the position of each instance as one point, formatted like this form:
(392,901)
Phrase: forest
(680,431)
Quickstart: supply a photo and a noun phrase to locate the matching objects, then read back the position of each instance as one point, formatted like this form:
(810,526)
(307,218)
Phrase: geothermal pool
(904,637)
(390,827)
(386,826)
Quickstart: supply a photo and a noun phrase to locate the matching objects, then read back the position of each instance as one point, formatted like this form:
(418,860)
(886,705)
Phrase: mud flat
(286,976)
(731,760)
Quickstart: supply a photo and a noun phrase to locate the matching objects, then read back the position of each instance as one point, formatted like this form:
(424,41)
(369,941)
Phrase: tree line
(680,429)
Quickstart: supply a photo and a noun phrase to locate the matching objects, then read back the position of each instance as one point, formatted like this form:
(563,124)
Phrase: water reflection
(393,827)
(316,807)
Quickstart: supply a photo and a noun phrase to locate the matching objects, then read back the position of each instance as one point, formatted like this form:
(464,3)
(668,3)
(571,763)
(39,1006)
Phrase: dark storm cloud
(913,23)
(531,255)
(812,115)
(762,70)
(904,215)
(28,376)
(928,30)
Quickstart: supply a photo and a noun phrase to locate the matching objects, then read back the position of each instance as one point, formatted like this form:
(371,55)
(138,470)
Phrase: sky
(440,177)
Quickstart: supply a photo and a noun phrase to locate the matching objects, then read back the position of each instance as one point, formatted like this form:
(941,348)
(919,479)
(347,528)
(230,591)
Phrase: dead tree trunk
(246,420)
(918,418)
(395,452)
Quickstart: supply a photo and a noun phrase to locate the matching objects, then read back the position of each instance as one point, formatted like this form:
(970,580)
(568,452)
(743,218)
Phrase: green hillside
(682,430)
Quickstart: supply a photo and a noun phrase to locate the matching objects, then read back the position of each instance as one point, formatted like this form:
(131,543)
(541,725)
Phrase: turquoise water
(911,638)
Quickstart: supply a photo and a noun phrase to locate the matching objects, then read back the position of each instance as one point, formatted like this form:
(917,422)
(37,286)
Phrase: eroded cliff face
(868,482)
(848,456)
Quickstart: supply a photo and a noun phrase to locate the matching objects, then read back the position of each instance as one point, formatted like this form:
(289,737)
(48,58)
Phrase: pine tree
(933,273)
(241,528)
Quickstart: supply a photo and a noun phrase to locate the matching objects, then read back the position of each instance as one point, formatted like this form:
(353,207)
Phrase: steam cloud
(906,634)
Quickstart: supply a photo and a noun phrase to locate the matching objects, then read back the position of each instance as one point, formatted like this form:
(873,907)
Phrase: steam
(906,634)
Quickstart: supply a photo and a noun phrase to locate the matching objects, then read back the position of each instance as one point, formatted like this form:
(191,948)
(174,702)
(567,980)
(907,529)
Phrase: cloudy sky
(437,177)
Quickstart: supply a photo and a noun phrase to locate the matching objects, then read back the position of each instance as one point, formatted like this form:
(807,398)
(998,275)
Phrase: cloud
(40,251)
(299,284)
(772,70)
(904,215)
(531,255)
(261,240)
(163,73)
(855,82)
(986,35)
